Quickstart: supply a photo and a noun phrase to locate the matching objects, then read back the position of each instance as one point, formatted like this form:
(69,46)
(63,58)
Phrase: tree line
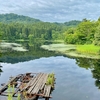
(40,30)
(13,26)
(87,32)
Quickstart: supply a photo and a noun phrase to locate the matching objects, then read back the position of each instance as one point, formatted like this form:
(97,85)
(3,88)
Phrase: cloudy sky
(53,10)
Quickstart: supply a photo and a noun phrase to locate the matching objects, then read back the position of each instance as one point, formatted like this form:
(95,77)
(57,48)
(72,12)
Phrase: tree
(85,32)
(97,36)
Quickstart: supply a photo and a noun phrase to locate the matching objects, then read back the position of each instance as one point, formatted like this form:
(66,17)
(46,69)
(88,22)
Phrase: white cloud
(53,10)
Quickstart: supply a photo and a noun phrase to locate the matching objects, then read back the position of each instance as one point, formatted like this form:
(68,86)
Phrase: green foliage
(70,39)
(97,36)
(50,80)
(82,34)
(11,90)
(19,97)
(40,30)
(15,26)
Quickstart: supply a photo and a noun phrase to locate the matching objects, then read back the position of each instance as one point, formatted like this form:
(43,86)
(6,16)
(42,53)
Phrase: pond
(76,78)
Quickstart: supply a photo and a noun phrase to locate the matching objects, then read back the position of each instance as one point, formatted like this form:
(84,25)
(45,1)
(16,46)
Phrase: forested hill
(72,23)
(13,26)
(8,18)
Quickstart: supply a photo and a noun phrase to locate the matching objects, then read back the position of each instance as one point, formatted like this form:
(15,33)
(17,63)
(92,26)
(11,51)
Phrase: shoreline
(68,50)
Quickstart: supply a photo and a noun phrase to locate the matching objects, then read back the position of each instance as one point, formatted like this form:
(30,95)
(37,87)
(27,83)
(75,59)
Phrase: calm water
(76,79)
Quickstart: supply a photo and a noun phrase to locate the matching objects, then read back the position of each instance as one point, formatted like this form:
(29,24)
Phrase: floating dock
(30,85)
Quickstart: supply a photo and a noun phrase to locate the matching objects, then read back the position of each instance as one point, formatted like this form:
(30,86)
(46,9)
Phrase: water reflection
(73,81)
(0,69)
(34,52)
(94,65)
(85,63)
(96,72)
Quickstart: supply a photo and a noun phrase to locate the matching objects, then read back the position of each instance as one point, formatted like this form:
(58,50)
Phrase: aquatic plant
(50,80)
(18,98)
(11,90)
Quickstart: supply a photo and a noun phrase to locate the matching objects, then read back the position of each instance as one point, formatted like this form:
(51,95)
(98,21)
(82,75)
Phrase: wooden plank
(6,95)
(40,84)
(6,85)
(45,79)
(36,77)
(37,86)
(47,90)
(34,86)
(16,91)
(34,82)
(46,98)
(28,84)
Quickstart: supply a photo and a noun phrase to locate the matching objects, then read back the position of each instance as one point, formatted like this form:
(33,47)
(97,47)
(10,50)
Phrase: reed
(18,97)
(11,90)
(88,49)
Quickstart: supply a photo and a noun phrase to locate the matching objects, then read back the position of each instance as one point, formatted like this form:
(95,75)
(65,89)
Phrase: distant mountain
(8,18)
(72,23)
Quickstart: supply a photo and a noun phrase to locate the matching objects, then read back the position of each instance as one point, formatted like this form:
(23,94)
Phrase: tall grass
(88,49)
(50,80)
(11,90)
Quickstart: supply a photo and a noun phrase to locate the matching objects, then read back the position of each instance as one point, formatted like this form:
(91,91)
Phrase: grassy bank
(84,51)
(88,49)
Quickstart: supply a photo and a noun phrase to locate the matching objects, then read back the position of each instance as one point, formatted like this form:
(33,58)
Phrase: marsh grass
(88,49)
(50,80)
(10,92)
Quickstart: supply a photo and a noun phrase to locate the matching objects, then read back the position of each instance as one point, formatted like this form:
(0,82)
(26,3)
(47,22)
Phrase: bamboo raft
(30,86)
